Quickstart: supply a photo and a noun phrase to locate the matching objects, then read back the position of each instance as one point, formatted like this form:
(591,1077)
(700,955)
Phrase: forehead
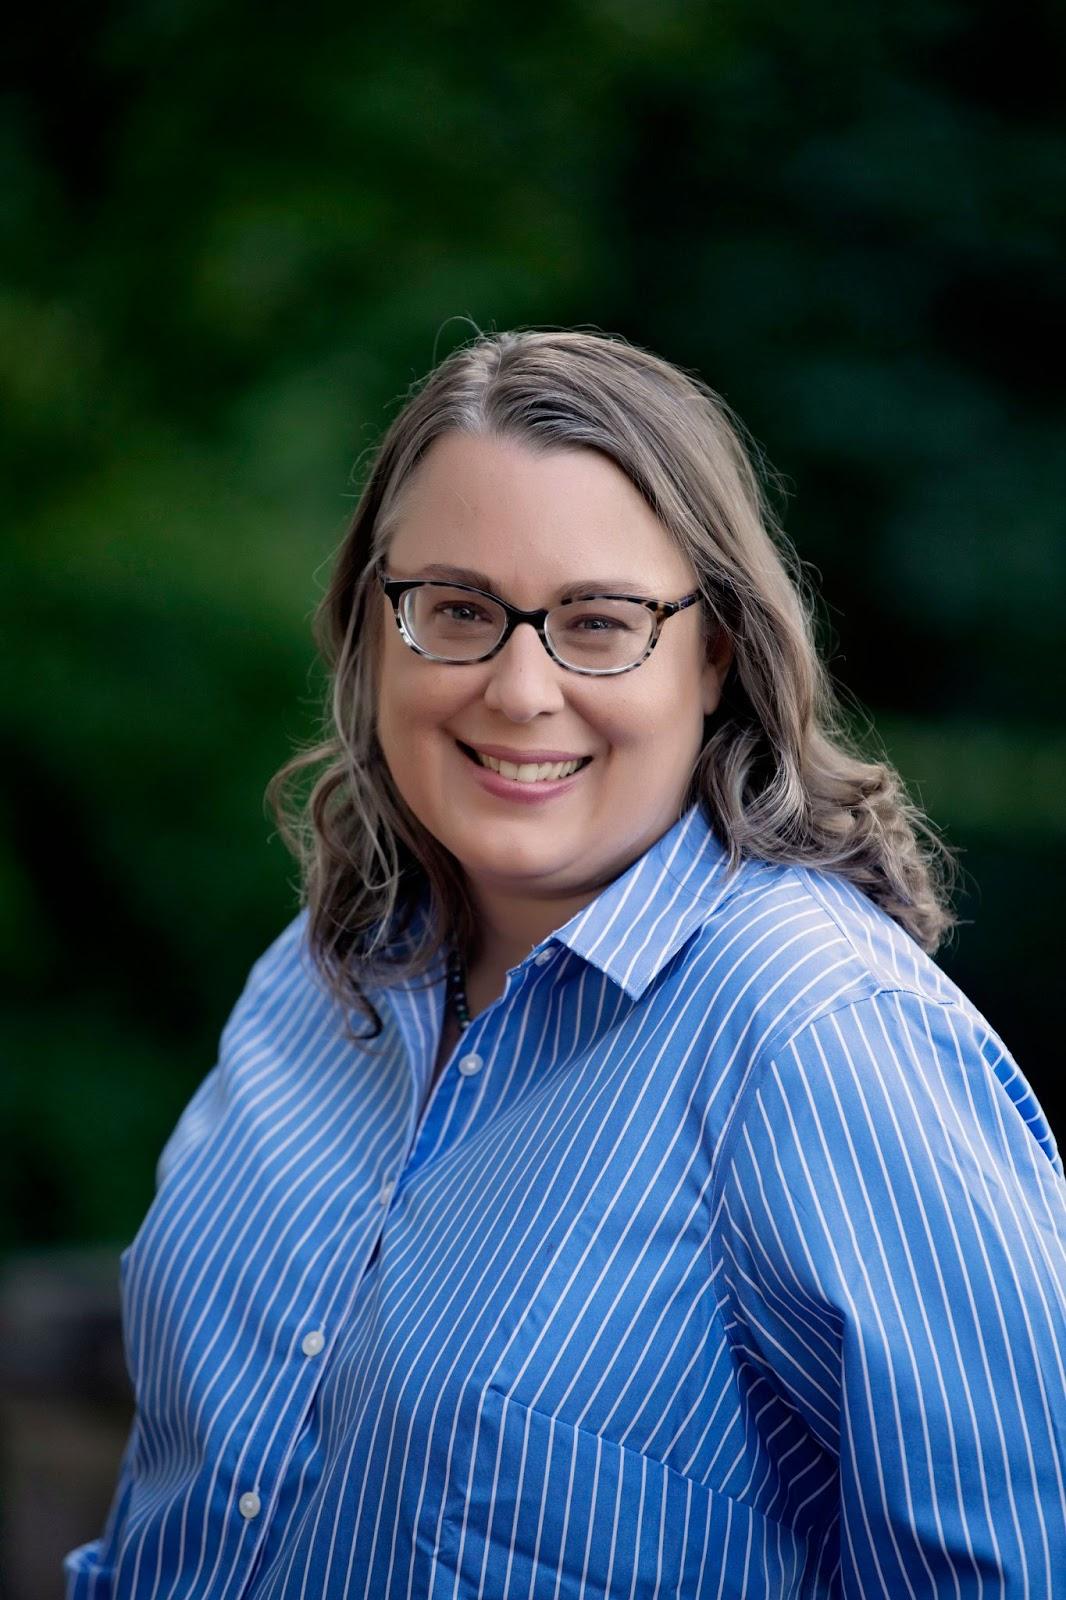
(529,519)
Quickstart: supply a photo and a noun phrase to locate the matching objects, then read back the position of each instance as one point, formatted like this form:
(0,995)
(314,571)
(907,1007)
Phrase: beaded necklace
(457,990)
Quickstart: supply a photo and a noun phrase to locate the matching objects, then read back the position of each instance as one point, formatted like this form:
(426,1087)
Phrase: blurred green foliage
(235,233)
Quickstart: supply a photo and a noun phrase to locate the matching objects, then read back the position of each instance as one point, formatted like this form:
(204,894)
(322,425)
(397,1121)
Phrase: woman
(600,1190)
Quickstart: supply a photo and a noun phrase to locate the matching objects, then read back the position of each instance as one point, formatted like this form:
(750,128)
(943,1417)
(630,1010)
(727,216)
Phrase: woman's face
(533,524)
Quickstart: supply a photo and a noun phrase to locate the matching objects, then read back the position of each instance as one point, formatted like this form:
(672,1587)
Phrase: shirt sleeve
(90,1569)
(893,1242)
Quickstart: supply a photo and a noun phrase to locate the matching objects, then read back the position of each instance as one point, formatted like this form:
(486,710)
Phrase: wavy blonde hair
(779,777)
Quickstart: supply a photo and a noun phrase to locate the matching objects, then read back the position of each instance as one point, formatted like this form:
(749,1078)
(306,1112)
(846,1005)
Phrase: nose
(523,679)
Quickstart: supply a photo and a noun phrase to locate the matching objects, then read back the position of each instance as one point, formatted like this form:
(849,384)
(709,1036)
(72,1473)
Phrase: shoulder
(897,1074)
(784,945)
(823,988)
(795,943)
(285,952)
(780,925)
(282,980)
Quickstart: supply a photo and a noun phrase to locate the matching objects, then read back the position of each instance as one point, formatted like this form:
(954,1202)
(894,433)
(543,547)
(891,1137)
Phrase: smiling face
(534,524)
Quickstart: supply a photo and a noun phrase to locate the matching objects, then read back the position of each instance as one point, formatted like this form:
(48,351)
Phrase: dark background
(234,235)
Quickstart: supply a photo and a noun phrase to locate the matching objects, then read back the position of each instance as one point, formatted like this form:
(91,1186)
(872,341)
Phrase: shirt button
(248,1505)
(312,1343)
(542,957)
(469,1065)
(387,1186)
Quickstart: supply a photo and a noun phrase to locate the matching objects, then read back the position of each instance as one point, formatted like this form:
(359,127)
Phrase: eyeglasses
(596,634)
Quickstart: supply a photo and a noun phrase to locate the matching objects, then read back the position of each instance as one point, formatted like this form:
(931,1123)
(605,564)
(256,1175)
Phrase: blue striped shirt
(725,1259)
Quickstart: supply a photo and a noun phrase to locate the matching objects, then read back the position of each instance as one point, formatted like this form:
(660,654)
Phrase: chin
(505,864)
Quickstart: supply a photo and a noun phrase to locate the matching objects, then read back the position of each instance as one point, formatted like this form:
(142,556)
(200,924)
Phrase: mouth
(530,773)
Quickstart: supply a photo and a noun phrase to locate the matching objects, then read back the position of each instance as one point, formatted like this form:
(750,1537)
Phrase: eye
(598,624)
(452,609)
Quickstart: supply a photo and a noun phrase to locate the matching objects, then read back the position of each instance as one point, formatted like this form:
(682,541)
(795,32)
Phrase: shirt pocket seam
(653,1462)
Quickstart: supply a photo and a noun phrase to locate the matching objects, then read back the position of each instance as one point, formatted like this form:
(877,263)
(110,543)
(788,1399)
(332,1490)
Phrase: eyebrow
(569,591)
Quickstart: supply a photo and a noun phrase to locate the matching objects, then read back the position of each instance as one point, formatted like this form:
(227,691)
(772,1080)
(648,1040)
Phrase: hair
(779,777)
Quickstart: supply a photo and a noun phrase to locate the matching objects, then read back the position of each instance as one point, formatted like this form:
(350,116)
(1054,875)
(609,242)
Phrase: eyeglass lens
(595,634)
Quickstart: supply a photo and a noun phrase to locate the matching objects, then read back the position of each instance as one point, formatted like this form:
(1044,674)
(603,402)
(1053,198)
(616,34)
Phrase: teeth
(529,772)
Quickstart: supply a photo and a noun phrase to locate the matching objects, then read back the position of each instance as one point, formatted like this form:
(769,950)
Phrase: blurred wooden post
(65,1410)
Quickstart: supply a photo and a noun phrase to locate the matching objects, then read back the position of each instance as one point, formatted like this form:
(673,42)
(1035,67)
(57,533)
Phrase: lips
(518,758)
(472,756)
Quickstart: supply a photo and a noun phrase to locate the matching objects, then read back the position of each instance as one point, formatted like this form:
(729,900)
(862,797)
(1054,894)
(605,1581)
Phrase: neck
(511,926)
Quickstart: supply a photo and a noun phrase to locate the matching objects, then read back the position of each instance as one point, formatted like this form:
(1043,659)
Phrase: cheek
(416,700)
(661,732)
(654,709)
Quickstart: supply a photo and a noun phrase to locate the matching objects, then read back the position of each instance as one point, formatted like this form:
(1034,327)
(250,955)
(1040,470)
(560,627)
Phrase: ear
(719,660)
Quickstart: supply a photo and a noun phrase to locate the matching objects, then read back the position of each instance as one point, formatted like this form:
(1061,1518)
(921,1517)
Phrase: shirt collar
(641,919)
